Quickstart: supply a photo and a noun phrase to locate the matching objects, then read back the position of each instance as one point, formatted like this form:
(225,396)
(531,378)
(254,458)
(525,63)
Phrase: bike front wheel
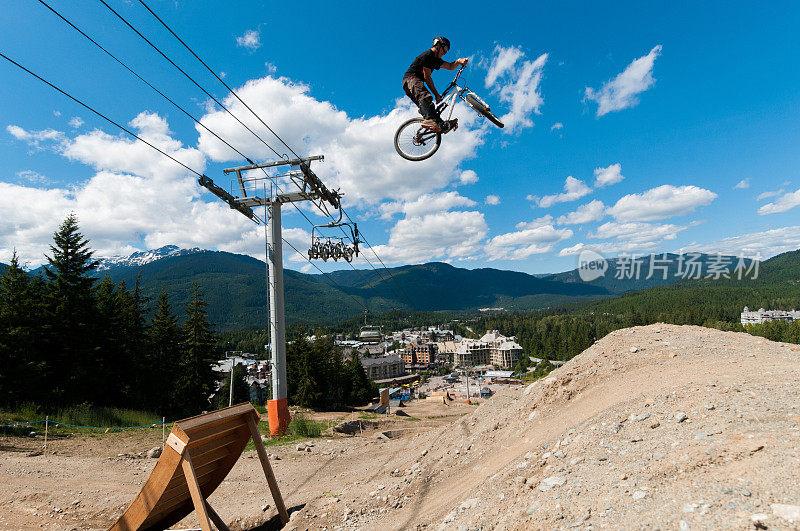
(414,142)
(481,108)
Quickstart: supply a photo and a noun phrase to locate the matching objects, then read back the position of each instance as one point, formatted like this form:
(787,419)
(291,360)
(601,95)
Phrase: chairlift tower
(272,190)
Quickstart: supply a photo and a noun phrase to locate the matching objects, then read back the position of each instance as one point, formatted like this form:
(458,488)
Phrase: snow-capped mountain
(141,258)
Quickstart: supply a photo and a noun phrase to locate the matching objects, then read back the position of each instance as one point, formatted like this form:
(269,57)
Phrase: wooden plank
(216,519)
(203,436)
(209,480)
(194,489)
(175,443)
(139,509)
(273,483)
(211,419)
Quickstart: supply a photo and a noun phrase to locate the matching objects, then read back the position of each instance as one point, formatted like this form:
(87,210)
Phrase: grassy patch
(300,428)
(81,415)
(369,415)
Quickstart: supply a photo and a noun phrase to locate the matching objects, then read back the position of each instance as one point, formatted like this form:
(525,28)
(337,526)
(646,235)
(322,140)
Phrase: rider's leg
(419,94)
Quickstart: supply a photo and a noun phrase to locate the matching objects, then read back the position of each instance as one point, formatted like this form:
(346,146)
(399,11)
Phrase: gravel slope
(657,427)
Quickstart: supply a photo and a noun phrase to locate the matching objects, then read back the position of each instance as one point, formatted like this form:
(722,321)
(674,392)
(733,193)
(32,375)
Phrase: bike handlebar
(453,83)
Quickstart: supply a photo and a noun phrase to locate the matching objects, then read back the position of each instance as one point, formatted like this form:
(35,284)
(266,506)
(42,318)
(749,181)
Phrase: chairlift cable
(168,28)
(98,113)
(217,76)
(129,69)
(190,78)
(134,135)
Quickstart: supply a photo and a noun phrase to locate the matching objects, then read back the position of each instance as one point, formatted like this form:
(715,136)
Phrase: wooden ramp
(200,451)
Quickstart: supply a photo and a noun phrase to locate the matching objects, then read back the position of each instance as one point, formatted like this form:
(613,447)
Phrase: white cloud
(271,68)
(573,189)
(535,223)
(32,176)
(516,85)
(608,176)
(786,202)
(587,213)
(76,122)
(744,183)
(426,204)
(139,199)
(771,193)
(123,155)
(536,238)
(628,238)
(766,243)
(503,62)
(468,177)
(118,211)
(359,155)
(442,236)
(35,139)
(251,39)
(556,126)
(492,200)
(522,93)
(637,232)
(662,202)
(622,91)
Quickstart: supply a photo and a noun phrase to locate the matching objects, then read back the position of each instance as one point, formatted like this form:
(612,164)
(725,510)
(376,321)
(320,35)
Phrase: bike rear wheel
(481,108)
(414,142)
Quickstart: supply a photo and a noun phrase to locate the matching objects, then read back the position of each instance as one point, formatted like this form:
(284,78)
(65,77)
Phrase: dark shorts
(415,89)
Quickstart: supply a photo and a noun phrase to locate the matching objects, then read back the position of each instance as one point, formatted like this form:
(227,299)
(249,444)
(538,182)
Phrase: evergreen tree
(163,363)
(109,370)
(196,379)
(362,390)
(20,331)
(73,312)
(131,310)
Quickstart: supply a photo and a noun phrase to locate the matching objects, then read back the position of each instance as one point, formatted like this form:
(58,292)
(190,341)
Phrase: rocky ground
(661,427)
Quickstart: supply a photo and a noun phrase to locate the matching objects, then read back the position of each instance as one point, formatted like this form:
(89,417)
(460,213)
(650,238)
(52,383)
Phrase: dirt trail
(659,427)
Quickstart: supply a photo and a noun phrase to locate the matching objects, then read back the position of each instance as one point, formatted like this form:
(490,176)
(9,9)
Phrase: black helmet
(441,41)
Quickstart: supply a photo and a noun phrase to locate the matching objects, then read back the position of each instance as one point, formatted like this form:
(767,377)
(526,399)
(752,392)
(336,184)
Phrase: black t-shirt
(427,59)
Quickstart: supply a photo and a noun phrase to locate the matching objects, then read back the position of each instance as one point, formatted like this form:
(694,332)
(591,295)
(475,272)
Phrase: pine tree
(20,330)
(73,313)
(163,363)
(196,378)
(362,389)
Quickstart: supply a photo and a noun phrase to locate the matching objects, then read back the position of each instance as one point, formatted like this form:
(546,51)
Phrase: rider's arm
(455,64)
(427,73)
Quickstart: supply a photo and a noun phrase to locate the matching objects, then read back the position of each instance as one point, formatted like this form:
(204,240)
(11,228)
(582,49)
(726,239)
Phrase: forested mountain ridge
(236,289)
(563,332)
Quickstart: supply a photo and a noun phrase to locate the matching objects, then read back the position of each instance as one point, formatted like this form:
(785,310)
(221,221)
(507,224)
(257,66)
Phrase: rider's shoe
(450,125)
(432,125)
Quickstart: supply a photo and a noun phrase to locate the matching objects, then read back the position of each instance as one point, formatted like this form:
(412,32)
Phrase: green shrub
(302,426)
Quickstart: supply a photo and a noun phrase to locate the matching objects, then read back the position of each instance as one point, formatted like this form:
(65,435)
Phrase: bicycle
(414,142)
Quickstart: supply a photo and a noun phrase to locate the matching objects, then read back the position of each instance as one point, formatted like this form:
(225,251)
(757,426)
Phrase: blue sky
(663,111)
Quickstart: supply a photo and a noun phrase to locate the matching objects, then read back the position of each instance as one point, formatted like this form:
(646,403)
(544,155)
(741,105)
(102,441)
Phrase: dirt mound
(652,427)
(674,426)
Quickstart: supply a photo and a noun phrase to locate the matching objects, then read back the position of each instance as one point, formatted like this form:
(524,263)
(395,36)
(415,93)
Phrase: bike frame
(455,92)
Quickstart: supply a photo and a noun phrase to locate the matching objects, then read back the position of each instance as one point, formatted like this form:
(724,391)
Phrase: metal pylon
(305,186)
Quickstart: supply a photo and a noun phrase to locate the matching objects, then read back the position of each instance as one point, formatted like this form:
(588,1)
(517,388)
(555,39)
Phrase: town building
(749,317)
(471,353)
(446,351)
(420,354)
(503,351)
(384,367)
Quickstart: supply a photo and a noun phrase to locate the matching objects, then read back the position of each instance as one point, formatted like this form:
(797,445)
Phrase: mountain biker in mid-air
(419,73)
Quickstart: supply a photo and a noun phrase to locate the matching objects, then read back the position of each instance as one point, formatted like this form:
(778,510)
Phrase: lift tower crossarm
(206,182)
(292,162)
